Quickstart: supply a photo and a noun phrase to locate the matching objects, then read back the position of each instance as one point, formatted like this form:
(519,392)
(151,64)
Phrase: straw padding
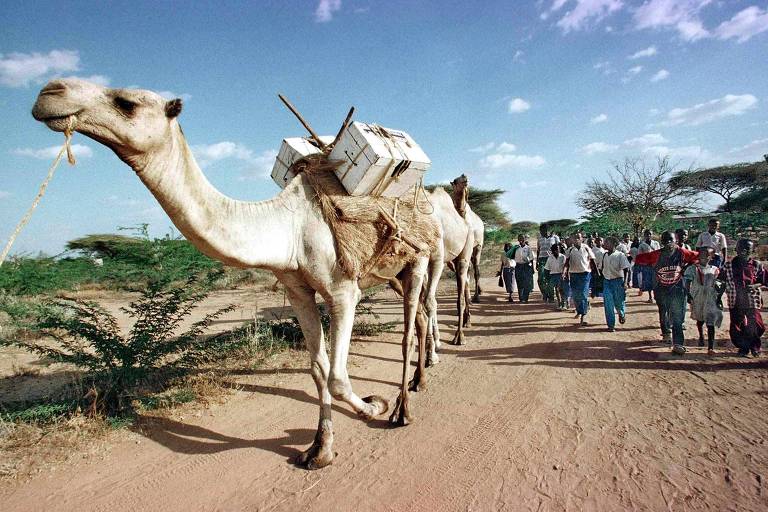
(362,225)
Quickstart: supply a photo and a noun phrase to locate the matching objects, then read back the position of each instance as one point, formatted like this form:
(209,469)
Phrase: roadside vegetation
(113,377)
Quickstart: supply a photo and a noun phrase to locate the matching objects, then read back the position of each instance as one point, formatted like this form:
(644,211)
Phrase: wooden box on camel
(378,161)
(293,149)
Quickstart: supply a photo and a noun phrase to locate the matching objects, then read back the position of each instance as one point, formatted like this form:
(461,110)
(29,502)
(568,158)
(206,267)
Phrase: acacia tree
(726,181)
(637,191)
(484,203)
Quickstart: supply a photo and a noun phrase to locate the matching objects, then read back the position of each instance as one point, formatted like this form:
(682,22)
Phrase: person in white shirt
(624,247)
(715,240)
(596,282)
(579,263)
(555,266)
(524,258)
(507,272)
(615,269)
(545,242)
(646,271)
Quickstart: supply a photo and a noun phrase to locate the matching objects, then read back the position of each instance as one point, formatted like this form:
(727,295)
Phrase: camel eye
(125,105)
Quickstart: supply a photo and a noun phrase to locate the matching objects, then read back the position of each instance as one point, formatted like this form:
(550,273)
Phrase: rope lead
(70,158)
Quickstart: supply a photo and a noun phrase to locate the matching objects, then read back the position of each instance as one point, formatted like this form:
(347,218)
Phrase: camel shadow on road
(195,440)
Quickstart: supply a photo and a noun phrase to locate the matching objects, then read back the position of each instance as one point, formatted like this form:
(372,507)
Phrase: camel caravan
(335,229)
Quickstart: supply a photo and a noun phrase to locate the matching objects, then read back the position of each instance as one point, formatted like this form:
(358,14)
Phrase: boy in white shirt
(596,283)
(579,263)
(615,268)
(524,258)
(646,271)
(555,265)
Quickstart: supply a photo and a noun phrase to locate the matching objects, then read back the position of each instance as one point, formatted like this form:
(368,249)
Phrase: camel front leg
(341,306)
(302,299)
(461,283)
(412,280)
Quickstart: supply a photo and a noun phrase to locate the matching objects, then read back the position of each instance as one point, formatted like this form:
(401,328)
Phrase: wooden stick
(343,127)
(302,121)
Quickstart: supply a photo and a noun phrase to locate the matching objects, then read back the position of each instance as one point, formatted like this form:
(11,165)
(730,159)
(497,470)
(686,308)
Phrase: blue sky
(533,97)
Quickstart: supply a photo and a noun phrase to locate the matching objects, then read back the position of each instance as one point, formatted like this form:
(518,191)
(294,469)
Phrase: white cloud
(648,52)
(96,79)
(744,25)
(518,56)
(483,148)
(4,194)
(605,67)
(682,15)
(22,69)
(506,147)
(687,153)
(512,161)
(728,105)
(518,105)
(49,153)
(631,73)
(170,95)
(208,153)
(647,140)
(586,11)
(536,184)
(325,10)
(598,147)
(256,165)
(261,165)
(661,74)
(654,112)
(600,118)
(751,152)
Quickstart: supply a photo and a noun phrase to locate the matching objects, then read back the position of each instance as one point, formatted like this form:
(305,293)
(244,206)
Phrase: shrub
(88,337)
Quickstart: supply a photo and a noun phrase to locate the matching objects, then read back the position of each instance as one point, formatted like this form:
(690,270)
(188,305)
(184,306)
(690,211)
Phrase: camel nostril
(53,88)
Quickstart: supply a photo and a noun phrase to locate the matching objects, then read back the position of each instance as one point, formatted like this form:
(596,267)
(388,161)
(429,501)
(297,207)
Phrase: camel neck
(238,233)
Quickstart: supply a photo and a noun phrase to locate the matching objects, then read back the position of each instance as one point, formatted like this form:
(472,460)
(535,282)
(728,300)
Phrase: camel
(287,235)
(459,196)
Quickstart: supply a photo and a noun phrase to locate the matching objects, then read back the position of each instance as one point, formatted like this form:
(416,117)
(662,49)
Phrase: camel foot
(401,415)
(378,406)
(475,299)
(458,340)
(418,383)
(432,360)
(438,344)
(316,457)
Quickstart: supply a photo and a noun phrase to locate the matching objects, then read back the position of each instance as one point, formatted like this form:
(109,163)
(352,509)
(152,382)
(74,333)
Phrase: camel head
(131,122)
(460,183)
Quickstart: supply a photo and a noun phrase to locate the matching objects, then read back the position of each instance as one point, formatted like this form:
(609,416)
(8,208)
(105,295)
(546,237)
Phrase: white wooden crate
(291,150)
(378,161)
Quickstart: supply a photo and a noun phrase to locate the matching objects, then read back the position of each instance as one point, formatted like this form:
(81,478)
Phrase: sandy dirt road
(532,414)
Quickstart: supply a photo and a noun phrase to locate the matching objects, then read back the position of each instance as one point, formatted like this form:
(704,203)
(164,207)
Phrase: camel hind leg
(412,278)
(461,284)
(476,252)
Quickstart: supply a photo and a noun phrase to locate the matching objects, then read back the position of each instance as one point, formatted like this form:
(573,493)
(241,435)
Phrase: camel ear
(173,108)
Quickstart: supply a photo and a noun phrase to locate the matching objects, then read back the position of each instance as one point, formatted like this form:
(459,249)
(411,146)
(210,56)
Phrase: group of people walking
(677,278)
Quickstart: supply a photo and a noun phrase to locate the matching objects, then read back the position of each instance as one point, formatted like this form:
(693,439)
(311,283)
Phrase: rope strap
(70,158)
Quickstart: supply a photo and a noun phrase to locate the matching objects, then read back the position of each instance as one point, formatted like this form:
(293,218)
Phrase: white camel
(460,197)
(286,235)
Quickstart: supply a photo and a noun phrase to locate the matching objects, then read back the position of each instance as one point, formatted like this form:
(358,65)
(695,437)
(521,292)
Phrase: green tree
(637,191)
(725,181)
(484,203)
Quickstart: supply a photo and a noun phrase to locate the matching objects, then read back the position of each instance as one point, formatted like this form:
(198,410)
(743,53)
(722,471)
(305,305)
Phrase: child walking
(555,265)
(702,285)
(615,268)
